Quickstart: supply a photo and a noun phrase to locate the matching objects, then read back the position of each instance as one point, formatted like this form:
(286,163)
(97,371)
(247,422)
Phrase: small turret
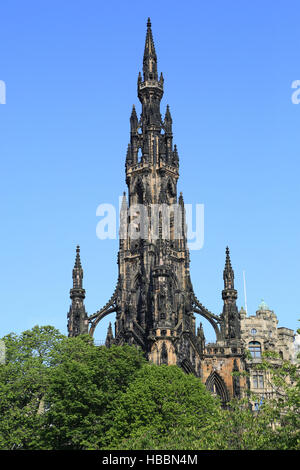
(123,219)
(109,337)
(175,159)
(77,272)
(133,121)
(228,274)
(168,121)
(129,159)
(230,325)
(77,316)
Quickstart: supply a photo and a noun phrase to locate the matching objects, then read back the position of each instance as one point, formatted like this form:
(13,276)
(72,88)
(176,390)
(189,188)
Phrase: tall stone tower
(154,299)
(155,296)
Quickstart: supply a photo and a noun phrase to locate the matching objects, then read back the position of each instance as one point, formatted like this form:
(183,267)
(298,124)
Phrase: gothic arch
(187,366)
(214,320)
(155,354)
(164,354)
(98,316)
(216,385)
(137,281)
(139,191)
(110,307)
(170,188)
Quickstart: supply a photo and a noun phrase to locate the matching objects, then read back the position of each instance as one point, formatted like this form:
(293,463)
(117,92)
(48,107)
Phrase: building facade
(260,334)
(154,298)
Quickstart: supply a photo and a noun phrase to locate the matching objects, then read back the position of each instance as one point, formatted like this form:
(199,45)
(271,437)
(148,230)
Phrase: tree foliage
(66,393)
(23,382)
(158,405)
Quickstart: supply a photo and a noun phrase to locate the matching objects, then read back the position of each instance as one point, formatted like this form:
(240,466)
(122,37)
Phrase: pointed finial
(228,261)
(77,271)
(180,199)
(128,155)
(228,274)
(133,120)
(124,201)
(133,117)
(168,121)
(77,259)
(109,337)
(123,219)
(168,114)
(150,58)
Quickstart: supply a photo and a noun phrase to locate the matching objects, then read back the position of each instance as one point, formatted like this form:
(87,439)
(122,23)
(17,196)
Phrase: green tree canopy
(57,392)
(82,390)
(163,406)
(66,393)
(23,383)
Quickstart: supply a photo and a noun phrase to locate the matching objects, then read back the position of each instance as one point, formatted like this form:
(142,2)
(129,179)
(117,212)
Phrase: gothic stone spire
(150,89)
(228,274)
(77,271)
(150,58)
(230,317)
(109,337)
(155,299)
(77,316)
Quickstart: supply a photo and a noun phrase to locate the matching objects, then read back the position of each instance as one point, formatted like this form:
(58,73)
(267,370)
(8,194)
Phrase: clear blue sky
(71,68)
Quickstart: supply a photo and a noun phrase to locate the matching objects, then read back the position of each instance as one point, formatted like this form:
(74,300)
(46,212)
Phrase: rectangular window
(258,381)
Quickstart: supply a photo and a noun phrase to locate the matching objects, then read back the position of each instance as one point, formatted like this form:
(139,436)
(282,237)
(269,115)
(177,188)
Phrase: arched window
(164,354)
(139,192)
(216,385)
(281,354)
(140,154)
(255,349)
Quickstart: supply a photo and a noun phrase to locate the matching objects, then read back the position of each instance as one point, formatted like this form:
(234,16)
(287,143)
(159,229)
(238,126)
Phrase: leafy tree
(66,393)
(23,382)
(57,392)
(282,409)
(163,408)
(82,390)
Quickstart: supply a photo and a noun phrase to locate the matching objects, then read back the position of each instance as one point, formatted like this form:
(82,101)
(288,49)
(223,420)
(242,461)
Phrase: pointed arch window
(140,192)
(281,354)
(139,155)
(216,385)
(164,354)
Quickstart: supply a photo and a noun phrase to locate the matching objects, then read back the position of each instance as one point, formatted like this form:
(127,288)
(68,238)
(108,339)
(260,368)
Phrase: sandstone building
(260,334)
